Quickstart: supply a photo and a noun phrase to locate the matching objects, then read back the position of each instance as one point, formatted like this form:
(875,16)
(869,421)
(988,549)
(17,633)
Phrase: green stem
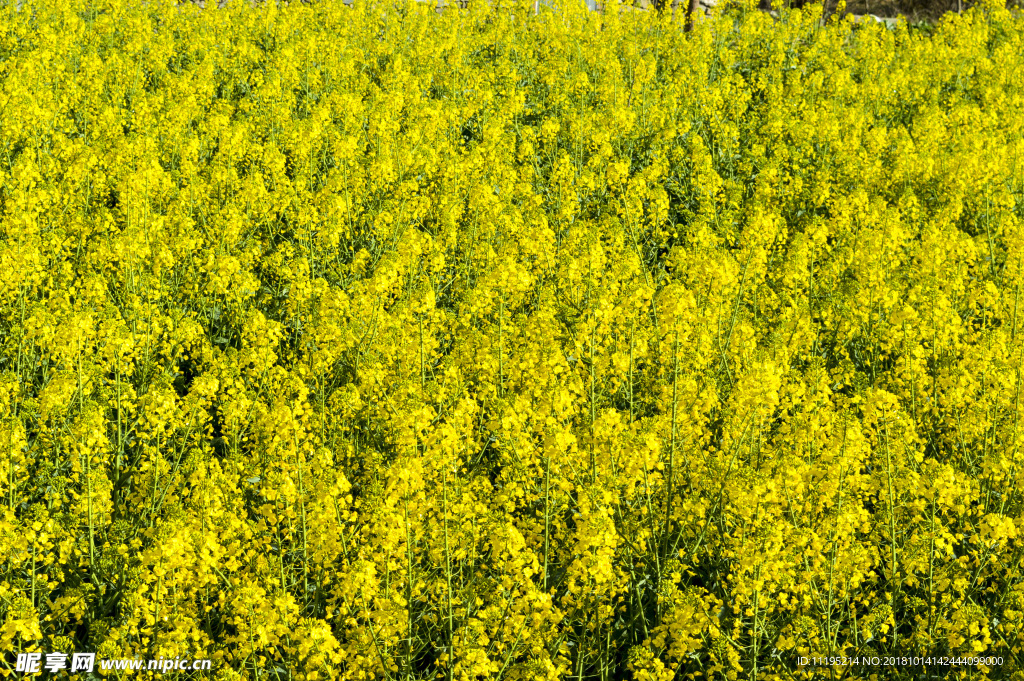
(672,448)
(448,575)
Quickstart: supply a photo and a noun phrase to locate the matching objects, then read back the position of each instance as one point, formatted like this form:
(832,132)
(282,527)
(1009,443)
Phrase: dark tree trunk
(691,13)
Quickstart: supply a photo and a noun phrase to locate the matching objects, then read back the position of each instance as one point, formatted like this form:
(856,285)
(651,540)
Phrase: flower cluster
(362,342)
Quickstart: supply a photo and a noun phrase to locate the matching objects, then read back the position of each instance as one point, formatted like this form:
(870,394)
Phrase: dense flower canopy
(370,343)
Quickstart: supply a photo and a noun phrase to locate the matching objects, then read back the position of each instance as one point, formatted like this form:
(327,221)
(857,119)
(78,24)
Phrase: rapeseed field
(365,342)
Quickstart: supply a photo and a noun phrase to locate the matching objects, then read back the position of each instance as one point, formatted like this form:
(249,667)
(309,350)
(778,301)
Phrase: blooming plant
(363,342)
